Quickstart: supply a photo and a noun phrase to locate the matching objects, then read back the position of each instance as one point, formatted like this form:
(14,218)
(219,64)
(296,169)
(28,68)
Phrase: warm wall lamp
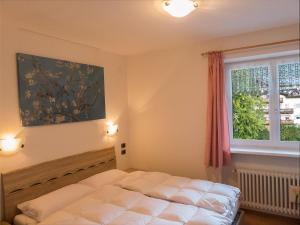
(10,145)
(112,128)
(180,8)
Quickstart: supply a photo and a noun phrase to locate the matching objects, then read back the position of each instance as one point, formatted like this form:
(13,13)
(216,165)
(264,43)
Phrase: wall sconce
(112,128)
(10,145)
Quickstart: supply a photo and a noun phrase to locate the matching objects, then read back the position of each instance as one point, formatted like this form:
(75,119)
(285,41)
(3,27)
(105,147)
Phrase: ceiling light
(180,8)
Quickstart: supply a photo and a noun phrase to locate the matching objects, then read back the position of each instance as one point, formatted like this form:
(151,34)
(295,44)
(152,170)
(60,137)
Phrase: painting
(53,91)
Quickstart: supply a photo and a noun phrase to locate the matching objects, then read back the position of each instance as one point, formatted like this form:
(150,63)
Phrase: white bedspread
(112,205)
(217,197)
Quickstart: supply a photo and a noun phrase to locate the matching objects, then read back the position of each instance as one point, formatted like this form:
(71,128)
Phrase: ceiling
(136,26)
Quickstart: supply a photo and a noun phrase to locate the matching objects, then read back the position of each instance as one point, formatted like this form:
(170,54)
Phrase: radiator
(269,191)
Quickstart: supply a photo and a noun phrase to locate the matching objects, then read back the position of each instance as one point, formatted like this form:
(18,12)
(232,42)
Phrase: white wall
(44,143)
(167,102)
(167,94)
(1,44)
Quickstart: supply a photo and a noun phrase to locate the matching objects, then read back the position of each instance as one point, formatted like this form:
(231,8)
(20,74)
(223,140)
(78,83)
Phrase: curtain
(217,141)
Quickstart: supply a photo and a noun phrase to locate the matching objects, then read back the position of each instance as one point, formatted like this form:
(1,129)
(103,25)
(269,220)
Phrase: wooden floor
(257,218)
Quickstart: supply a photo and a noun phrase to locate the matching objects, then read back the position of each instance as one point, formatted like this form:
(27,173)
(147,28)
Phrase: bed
(86,189)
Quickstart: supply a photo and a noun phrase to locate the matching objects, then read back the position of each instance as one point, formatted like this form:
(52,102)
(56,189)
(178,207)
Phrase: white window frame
(273,146)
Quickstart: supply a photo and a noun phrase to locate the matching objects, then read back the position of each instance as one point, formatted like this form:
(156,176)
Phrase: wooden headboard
(31,182)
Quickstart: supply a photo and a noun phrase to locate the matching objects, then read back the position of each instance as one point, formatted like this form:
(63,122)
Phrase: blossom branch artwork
(55,91)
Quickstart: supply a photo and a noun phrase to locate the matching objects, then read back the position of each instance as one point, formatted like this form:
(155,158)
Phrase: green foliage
(289,132)
(248,117)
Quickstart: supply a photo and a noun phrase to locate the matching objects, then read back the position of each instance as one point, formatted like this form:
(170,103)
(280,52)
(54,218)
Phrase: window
(264,103)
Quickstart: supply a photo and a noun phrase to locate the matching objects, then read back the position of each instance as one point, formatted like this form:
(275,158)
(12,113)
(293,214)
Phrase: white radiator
(270,191)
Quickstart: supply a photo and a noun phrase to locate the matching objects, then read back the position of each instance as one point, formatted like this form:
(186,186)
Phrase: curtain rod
(253,46)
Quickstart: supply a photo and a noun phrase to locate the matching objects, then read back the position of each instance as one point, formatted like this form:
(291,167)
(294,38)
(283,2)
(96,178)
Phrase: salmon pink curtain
(217,142)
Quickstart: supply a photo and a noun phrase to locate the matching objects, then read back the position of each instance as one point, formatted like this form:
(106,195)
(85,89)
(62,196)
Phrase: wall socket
(294,194)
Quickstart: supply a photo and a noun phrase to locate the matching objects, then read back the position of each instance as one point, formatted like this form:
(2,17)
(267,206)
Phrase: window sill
(266,152)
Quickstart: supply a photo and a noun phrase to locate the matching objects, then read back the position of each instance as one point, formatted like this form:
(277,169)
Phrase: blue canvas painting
(53,91)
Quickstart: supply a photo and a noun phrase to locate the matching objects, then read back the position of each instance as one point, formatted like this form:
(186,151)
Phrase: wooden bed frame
(31,182)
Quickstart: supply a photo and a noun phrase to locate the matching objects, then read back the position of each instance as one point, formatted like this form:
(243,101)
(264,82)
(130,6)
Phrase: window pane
(250,102)
(289,86)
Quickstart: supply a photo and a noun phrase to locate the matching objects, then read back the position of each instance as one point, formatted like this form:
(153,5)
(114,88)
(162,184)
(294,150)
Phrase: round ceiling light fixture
(180,8)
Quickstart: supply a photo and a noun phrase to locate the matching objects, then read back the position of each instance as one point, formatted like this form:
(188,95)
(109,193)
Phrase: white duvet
(217,197)
(99,200)
(111,205)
